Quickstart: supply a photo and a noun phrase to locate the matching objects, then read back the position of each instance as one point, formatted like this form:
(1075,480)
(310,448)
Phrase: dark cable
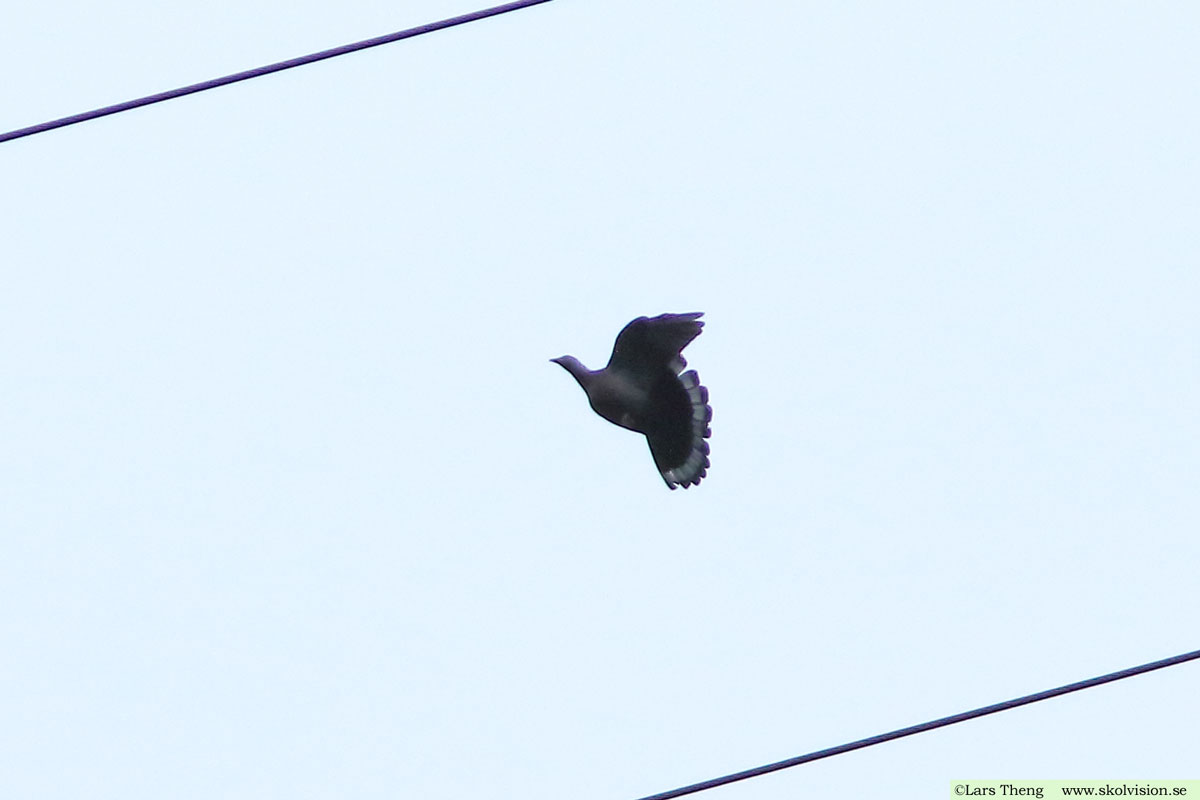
(277,67)
(925,726)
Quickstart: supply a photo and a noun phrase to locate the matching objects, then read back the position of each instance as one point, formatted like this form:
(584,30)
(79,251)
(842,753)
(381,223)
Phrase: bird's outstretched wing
(650,344)
(677,427)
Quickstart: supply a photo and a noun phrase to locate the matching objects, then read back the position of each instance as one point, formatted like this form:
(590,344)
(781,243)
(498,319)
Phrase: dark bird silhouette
(642,389)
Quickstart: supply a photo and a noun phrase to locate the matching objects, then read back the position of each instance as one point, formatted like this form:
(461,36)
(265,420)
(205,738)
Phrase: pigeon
(644,389)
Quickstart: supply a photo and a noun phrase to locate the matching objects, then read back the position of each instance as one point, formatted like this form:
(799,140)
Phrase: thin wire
(925,726)
(277,67)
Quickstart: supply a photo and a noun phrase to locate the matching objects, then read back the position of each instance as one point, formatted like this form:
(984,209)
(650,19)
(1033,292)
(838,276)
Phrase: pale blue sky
(294,505)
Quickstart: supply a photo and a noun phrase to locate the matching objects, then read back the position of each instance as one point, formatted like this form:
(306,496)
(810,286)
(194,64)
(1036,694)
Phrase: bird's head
(572,365)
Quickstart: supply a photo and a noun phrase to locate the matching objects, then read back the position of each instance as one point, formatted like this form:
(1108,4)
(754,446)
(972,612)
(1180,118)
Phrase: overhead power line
(277,67)
(925,726)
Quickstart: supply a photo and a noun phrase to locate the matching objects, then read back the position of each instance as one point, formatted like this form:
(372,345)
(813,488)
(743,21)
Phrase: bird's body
(643,390)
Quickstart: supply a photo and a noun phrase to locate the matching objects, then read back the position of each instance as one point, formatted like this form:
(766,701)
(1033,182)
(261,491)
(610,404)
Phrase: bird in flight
(644,389)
